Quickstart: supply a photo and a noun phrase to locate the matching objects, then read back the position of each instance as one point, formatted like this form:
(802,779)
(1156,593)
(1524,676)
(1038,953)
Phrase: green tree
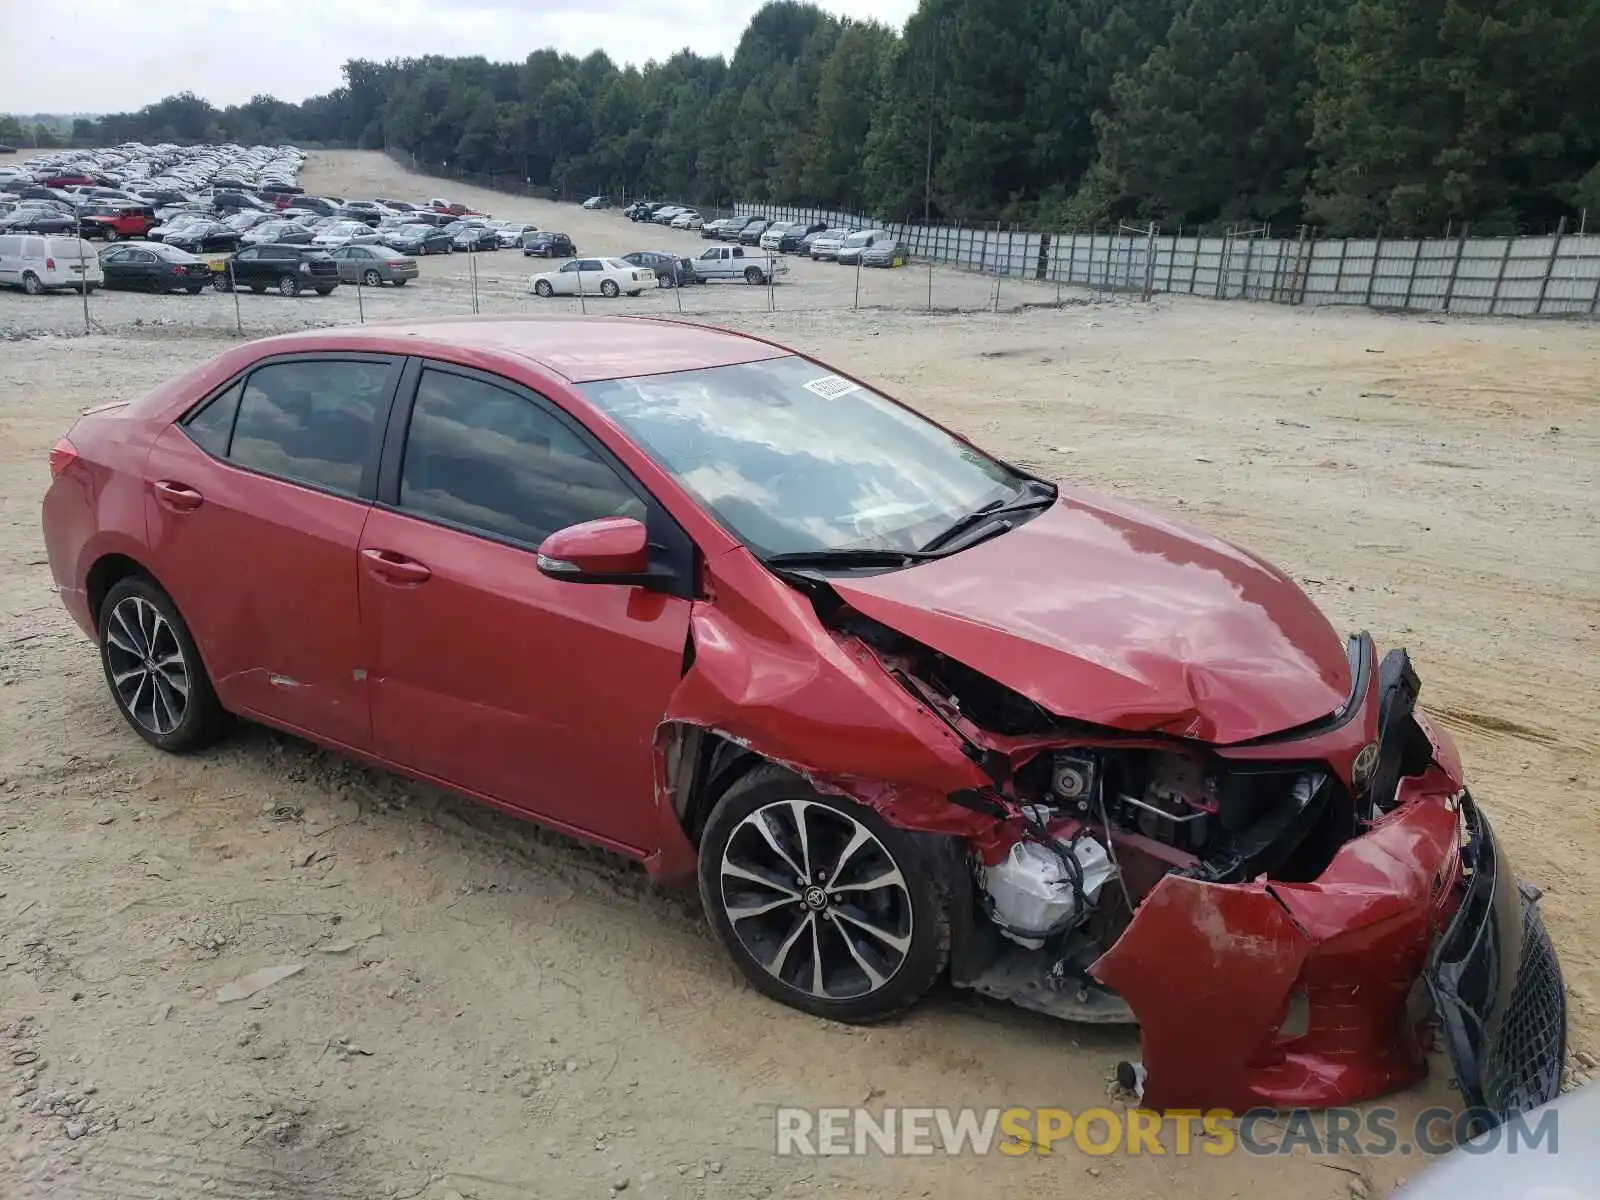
(1430,112)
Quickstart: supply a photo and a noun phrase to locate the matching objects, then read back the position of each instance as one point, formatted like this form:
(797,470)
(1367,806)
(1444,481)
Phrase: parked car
(750,233)
(885,253)
(118,222)
(811,239)
(202,236)
(419,239)
(154,267)
(285,233)
(688,220)
(853,246)
(39,263)
(546,244)
(33,216)
(722,227)
(368,212)
(641,210)
(399,206)
(594,202)
(666,213)
(840,666)
(374,266)
(473,237)
(344,232)
(671,270)
(592,276)
(288,269)
(513,233)
(225,202)
(825,247)
(792,237)
(735,263)
(773,234)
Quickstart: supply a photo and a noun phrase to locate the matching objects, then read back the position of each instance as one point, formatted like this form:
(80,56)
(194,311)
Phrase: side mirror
(607,550)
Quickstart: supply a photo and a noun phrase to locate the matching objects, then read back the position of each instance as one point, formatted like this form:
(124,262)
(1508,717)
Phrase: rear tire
(372,279)
(753,275)
(154,670)
(193,289)
(31,284)
(222,283)
(892,885)
(401,282)
(610,290)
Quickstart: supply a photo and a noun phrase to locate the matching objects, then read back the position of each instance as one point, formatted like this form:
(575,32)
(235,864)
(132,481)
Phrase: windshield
(790,457)
(858,239)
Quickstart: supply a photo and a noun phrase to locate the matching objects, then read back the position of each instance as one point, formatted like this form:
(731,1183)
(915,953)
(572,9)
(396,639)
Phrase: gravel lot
(486,1011)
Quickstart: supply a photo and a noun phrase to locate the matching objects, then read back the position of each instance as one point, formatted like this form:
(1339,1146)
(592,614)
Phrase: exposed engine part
(1031,892)
(1072,777)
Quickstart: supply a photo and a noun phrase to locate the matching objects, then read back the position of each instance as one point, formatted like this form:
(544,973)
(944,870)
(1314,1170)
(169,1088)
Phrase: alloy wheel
(147,666)
(816,899)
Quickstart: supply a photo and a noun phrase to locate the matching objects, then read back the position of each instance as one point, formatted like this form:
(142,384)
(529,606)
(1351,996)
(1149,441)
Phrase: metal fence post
(1550,264)
(1372,275)
(1411,283)
(930,283)
(233,287)
(1494,297)
(361,308)
(1194,263)
(1150,263)
(1455,267)
(1338,276)
(583,306)
(1249,258)
(856,303)
(83,279)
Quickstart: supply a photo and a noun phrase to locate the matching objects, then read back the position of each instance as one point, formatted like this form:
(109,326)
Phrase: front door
(255,509)
(487,675)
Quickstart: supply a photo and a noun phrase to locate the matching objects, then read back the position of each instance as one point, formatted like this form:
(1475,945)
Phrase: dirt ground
(488,1011)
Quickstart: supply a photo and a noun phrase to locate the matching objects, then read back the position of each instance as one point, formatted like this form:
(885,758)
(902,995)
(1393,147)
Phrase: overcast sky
(116,55)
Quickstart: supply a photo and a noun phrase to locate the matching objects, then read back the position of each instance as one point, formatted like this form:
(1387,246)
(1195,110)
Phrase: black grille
(1521,1067)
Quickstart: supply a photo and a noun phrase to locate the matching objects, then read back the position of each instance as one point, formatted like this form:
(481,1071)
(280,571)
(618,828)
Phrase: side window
(483,457)
(115,255)
(738,251)
(212,426)
(591,264)
(314,422)
(248,255)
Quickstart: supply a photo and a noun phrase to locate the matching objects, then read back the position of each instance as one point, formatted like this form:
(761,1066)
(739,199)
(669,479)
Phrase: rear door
(486,674)
(255,506)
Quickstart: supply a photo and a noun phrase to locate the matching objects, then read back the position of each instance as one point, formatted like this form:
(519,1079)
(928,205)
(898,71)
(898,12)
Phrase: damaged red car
(906,712)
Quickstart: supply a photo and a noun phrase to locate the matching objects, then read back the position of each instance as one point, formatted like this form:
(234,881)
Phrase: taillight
(62,455)
(49,264)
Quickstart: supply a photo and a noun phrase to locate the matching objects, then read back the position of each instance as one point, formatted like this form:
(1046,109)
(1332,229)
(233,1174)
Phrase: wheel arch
(109,570)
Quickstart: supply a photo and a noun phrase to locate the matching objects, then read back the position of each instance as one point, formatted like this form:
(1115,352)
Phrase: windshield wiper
(1035,494)
(857,556)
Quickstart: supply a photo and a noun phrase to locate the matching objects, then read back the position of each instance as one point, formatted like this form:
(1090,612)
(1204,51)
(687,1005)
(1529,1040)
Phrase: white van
(37,263)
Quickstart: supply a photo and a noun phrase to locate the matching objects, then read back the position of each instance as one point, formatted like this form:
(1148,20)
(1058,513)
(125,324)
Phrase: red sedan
(906,711)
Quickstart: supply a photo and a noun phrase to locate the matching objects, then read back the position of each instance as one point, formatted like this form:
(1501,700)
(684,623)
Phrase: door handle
(395,568)
(179,497)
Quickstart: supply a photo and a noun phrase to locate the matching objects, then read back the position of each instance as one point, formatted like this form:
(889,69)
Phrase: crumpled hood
(1102,613)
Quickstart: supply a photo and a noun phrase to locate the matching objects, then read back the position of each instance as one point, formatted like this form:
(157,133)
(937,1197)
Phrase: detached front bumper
(1497,987)
(1314,994)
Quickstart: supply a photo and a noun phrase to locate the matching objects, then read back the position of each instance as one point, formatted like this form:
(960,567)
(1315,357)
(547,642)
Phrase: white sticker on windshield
(831,387)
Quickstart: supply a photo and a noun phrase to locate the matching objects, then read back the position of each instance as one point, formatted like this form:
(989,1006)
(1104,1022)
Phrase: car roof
(580,349)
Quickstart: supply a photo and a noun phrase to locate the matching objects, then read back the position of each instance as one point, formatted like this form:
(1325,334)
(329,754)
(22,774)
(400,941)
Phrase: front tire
(112,235)
(153,668)
(543,288)
(288,285)
(823,904)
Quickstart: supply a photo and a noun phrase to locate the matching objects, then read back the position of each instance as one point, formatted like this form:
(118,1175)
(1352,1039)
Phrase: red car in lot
(905,711)
(119,223)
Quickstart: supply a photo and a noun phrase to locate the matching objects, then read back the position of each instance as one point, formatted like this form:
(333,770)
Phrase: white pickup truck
(738,263)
